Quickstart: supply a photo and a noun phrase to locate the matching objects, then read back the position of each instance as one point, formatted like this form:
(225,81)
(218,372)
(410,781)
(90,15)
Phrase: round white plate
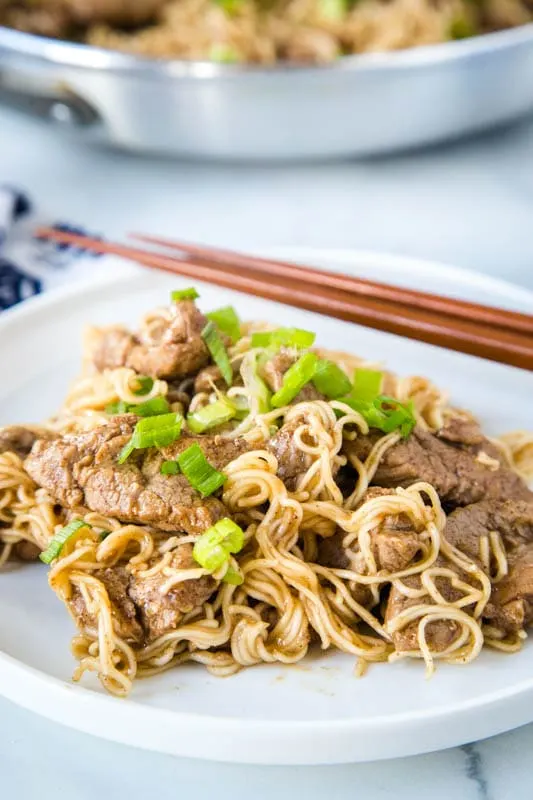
(313,713)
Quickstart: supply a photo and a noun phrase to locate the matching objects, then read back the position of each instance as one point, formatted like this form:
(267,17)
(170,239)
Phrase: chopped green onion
(118,407)
(330,379)
(233,577)
(157,431)
(295,379)
(384,413)
(214,547)
(199,472)
(145,385)
(215,345)
(333,10)
(367,383)
(257,389)
(103,535)
(461,28)
(284,337)
(227,321)
(220,51)
(211,416)
(229,6)
(58,540)
(170,468)
(184,294)
(150,408)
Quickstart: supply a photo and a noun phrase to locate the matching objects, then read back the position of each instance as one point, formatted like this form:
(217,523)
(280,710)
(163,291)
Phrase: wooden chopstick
(360,287)
(467,336)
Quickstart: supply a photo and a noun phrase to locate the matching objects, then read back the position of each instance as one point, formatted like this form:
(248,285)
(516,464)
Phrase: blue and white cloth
(29,266)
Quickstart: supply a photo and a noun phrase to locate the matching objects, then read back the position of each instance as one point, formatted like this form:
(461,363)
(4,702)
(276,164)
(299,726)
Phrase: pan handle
(54,102)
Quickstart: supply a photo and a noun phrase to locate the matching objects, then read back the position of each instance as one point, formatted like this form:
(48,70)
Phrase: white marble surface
(470,204)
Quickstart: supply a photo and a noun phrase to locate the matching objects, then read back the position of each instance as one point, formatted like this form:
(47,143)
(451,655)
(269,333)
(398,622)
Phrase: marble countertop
(469,204)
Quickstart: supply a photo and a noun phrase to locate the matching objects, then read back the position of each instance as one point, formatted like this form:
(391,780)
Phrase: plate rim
(123,713)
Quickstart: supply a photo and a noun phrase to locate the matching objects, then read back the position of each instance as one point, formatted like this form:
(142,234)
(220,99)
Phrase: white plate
(314,713)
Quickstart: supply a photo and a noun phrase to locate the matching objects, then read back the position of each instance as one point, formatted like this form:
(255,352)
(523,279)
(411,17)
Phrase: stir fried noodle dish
(229,493)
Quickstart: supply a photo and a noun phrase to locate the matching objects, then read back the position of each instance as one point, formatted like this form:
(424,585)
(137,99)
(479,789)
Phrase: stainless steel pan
(359,105)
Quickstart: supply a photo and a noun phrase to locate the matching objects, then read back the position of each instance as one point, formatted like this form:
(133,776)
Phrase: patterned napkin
(29,266)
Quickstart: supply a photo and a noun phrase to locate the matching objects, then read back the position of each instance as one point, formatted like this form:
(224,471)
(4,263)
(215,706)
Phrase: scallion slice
(227,321)
(170,468)
(215,345)
(201,475)
(144,385)
(157,431)
(257,389)
(215,546)
(330,379)
(295,379)
(59,539)
(150,408)
(233,577)
(184,294)
(367,383)
(384,413)
(284,337)
(211,416)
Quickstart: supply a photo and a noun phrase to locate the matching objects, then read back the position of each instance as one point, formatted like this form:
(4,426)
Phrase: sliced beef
(451,466)
(140,610)
(19,439)
(292,462)
(274,371)
(115,12)
(207,378)
(161,613)
(512,519)
(511,604)
(116,581)
(176,349)
(439,634)
(82,470)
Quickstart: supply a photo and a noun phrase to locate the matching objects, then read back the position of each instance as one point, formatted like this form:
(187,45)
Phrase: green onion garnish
(295,379)
(334,10)
(199,472)
(257,389)
(330,379)
(384,413)
(211,416)
(227,321)
(221,52)
(461,28)
(215,345)
(284,337)
(145,385)
(170,468)
(150,408)
(184,294)
(367,383)
(233,577)
(215,546)
(157,431)
(58,540)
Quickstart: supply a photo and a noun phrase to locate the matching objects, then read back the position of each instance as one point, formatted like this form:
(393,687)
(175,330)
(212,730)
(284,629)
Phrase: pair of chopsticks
(492,333)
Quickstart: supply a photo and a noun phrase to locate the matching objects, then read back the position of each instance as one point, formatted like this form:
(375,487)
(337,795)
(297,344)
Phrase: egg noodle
(287,601)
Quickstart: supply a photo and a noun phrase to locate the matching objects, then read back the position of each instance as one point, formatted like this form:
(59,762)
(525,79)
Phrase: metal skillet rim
(83,56)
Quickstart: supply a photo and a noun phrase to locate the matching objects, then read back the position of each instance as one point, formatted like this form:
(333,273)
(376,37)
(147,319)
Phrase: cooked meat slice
(19,439)
(27,551)
(452,468)
(82,470)
(174,350)
(395,543)
(207,378)
(274,370)
(116,581)
(461,430)
(512,519)
(161,613)
(52,21)
(511,604)
(292,462)
(439,634)
(331,553)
